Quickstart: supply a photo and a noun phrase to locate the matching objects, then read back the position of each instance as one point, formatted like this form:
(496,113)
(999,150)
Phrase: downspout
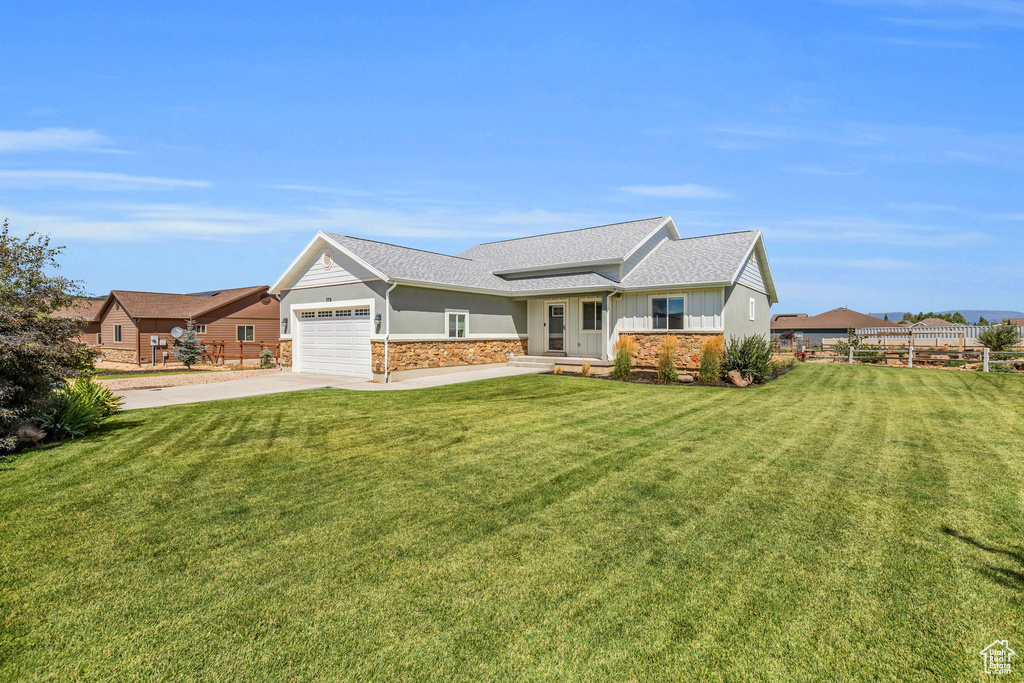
(387,330)
(608,312)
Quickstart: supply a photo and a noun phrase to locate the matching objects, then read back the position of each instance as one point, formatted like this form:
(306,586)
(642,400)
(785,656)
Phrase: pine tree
(982,321)
(885,317)
(189,349)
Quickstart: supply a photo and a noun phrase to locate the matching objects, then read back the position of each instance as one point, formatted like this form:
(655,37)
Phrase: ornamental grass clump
(667,359)
(625,347)
(585,369)
(712,353)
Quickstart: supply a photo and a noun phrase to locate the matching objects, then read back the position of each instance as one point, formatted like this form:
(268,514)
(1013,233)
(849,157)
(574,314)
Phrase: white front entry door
(335,342)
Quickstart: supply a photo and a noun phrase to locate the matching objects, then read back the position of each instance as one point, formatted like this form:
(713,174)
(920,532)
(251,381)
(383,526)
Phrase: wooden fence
(219,352)
(984,356)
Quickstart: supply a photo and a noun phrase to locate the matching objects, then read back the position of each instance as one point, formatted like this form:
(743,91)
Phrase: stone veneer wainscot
(445,353)
(286,353)
(116,355)
(687,352)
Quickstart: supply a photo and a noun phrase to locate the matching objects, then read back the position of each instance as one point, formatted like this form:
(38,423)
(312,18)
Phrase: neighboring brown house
(1019,322)
(124,322)
(89,310)
(811,329)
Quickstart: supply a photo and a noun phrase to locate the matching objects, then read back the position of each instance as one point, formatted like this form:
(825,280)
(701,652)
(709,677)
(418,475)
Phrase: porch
(569,329)
(548,362)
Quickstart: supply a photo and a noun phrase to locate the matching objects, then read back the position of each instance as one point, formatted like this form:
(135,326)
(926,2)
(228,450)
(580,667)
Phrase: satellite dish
(177,332)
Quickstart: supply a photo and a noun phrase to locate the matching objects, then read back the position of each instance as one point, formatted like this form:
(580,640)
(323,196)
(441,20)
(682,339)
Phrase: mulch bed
(651,377)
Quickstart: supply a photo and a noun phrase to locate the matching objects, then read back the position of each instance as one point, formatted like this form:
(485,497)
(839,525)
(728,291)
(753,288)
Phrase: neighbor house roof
(535,264)
(936,322)
(83,308)
(178,306)
(1017,321)
(836,319)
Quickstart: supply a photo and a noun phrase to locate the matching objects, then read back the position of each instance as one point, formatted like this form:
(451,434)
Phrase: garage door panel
(339,344)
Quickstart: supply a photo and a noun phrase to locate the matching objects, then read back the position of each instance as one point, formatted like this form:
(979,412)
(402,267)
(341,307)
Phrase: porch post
(606,318)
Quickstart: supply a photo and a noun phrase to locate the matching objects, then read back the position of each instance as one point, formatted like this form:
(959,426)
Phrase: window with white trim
(344,314)
(307,314)
(457,324)
(667,312)
(199,329)
(325,314)
(117,334)
(590,320)
(753,308)
(245,333)
(361,312)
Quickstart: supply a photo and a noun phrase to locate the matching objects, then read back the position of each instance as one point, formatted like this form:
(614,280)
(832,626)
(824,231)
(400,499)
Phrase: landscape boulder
(685,379)
(736,378)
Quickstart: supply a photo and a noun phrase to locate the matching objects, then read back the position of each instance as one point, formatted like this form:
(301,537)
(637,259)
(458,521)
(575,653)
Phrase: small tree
(266,359)
(189,349)
(624,348)
(982,321)
(38,351)
(999,337)
(667,359)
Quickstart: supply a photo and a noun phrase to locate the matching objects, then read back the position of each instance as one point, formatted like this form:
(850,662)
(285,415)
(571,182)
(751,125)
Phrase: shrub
(999,337)
(266,359)
(750,356)
(70,416)
(624,349)
(585,369)
(712,352)
(97,395)
(667,359)
(998,367)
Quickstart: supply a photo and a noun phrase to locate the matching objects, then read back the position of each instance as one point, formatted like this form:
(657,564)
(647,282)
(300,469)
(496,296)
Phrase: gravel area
(158,382)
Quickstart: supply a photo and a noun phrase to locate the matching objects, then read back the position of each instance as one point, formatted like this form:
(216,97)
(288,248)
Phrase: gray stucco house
(354,306)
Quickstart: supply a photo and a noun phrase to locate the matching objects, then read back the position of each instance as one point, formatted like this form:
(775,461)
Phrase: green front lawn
(842,522)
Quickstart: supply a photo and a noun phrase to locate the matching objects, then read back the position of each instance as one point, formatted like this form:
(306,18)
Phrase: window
(667,312)
(308,314)
(325,314)
(117,333)
(456,324)
(362,311)
(99,339)
(200,329)
(344,314)
(591,316)
(753,308)
(245,333)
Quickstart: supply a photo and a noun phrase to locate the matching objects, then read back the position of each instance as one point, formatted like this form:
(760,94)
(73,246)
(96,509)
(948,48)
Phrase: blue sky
(187,146)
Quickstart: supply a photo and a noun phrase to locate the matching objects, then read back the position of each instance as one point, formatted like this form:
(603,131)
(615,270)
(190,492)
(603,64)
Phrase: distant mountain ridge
(972,315)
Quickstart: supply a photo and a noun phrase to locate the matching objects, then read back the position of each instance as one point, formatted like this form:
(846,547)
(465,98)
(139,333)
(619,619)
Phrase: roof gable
(177,306)
(836,319)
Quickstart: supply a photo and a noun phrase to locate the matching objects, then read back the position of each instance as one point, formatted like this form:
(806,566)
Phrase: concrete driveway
(288,381)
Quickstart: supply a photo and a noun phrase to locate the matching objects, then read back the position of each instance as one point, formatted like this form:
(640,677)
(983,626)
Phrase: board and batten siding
(702,310)
(751,277)
(343,270)
(577,341)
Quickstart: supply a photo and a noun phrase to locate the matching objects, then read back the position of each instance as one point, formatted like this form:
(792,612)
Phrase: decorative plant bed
(651,377)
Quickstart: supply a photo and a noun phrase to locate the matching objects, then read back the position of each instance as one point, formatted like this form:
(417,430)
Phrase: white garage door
(336,342)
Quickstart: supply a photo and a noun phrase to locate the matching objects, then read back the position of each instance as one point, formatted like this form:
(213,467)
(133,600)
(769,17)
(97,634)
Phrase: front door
(556,327)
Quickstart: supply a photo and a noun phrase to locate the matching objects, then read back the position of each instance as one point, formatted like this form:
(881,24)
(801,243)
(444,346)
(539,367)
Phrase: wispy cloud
(881,264)
(90,180)
(685,191)
(51,139)
(948,14)
(861,230)
(813,169)
(147,221)
(937,44)
(319,189)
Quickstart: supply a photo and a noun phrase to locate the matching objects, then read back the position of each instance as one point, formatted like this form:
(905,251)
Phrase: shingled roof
(836,319)
(84,308)
(572,260)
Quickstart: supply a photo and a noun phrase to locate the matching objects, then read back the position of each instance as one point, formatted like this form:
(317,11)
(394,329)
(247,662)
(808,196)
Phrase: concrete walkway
(288,381)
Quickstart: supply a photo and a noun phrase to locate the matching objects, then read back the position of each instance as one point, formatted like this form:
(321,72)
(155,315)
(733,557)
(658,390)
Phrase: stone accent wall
(118,355)
(687,352)
(286,353)
(444,353)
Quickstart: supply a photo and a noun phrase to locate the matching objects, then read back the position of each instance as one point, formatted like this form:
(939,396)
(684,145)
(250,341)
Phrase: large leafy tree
(37,350)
